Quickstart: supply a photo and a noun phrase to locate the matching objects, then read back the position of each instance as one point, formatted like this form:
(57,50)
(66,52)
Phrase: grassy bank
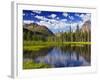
(35,46)
(51,43)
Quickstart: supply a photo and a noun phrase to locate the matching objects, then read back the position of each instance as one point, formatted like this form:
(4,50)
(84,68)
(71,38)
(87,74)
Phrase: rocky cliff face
(86,27)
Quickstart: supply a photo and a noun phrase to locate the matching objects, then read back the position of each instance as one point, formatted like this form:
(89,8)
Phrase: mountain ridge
(41,29)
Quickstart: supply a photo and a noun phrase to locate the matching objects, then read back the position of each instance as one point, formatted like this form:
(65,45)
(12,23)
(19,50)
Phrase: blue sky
(56,21)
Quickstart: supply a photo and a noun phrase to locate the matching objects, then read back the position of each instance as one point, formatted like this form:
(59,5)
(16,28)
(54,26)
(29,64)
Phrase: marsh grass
(36,46)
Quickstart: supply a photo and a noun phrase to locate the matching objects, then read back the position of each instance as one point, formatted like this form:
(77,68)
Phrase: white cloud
(60,25)
(85,17)
(80,23)
(57,18)
(32,14)
(64,20)
(76,14)
(65,14)
(53,15)
(73,26)
(28,21)
(55,25)
(44,23)
(41,18)
(82,15)
(71,17)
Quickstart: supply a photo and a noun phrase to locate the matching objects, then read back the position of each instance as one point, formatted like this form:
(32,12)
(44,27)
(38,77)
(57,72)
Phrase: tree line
(70,36)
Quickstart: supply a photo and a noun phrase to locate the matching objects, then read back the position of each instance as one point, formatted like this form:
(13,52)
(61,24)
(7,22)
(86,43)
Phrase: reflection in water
(58,58)
(68,56)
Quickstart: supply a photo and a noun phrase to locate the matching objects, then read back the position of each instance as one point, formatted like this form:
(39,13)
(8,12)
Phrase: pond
(61,56)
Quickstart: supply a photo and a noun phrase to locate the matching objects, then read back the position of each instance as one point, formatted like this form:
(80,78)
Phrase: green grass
(82,43)
(33,65)
(36,46)
(33,48)
(35,43)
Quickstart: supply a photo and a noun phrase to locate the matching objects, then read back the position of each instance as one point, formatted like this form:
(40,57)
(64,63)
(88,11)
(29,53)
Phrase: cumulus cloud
(55,25)
(44,23)
(53,15)
(73,26)
(32,14)
(28,21)
(41,18)
(57,18)
(65,14)
(64,20)
(84,17)
(71,17)
(77,15)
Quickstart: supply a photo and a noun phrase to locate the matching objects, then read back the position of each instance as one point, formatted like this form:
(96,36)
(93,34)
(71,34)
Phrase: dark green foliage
(35,32)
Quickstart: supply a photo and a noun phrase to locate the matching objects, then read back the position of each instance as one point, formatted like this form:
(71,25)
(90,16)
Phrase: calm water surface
(67,56)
